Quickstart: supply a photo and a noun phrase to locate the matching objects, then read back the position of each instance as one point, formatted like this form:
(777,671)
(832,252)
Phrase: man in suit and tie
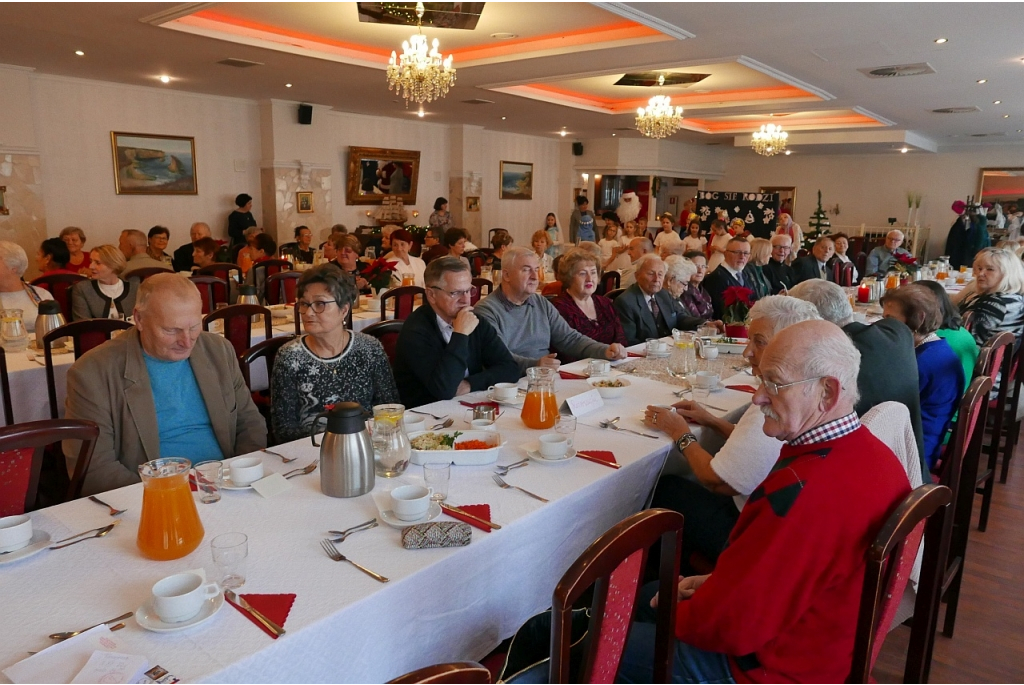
(780,274)
(648,311)
(815,265)
(729,274)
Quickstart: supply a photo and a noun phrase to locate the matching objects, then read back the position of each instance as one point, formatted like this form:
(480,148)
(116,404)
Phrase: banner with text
(759,211)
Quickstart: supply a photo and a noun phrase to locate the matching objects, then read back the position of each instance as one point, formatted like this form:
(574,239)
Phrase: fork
(506,486)
(334,554)
(427,413)
(444,424)
(343,534)
(303,471)
(505,469)
(286,460)
(113,511)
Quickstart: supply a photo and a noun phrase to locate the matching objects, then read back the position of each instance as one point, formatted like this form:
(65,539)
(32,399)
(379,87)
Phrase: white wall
(17,131)
(73,121)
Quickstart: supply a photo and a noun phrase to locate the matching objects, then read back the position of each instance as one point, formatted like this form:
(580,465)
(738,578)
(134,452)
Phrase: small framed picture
(672,200)
(304,202)
(472,203)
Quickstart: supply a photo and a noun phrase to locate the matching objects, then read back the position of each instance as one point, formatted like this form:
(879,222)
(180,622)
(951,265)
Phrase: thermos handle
(312,428)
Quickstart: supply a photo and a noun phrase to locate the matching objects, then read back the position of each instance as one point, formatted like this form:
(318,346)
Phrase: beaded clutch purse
(437,534)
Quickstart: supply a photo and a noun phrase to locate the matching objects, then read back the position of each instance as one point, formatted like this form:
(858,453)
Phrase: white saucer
(147,618)
(510,403)
(538,457)
(40,541)
(433,511)
(230,485)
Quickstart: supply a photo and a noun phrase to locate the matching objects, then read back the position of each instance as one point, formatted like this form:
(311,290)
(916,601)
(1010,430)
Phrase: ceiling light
(563,132)
(420,113)
(1006,116)
(79,53)
(287,85)
(613,135)
(420,75)
(940,41)
(165,79)
(1019,130)
(770,140)
(503,118)
(789,152)
(983,80)
(904,150)
(659,119)
(997,102)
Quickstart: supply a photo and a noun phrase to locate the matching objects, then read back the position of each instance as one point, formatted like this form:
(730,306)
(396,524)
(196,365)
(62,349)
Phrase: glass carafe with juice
(942,273)
(892,279)
(169,527)
(540,410)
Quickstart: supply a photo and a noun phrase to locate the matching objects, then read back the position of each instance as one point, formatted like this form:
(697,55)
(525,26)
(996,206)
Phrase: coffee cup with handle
(246,470)
(179,597)
(553,445)
(15,532)
(410,502)
(504,391)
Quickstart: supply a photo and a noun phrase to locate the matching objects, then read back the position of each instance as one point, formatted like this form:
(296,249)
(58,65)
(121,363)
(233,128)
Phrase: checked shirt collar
(834,429)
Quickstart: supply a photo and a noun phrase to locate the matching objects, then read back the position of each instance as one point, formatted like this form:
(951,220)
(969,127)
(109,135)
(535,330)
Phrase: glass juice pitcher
(540,410)
(169,527)
(13,335)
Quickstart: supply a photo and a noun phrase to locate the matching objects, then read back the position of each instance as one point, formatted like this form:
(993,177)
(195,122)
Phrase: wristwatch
(685,441)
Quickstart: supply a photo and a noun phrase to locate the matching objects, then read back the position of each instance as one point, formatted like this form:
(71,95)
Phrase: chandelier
(421,76)
(770,140)
(659,119)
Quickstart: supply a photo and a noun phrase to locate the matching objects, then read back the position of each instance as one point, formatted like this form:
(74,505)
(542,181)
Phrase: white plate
(40,541)
(147,618)
(507,403)
(433,511)
(538,457)
(229,484)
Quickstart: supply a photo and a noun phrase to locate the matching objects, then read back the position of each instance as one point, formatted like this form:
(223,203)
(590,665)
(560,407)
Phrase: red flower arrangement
(738,301)
(378,273)
(906,263)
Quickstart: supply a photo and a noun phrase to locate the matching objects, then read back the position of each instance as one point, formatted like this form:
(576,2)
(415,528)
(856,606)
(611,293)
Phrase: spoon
(286,460)
(113,511)
(444,424)
(303,471)
(100,533)
(503,470)
(342,535)
(611,423)
(66,635)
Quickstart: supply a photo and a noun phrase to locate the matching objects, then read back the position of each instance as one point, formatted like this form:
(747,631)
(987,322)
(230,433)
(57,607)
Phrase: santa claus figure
(629,207)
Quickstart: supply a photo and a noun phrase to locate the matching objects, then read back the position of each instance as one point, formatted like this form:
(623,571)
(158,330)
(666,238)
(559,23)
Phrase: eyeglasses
(774,388)
(318,306)
(739,252)
(456,294)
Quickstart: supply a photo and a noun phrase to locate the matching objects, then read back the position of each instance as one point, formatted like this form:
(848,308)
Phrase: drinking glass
(371,252)
(209,480)
(707,331)
(437,476)
(567,426)
(230,551)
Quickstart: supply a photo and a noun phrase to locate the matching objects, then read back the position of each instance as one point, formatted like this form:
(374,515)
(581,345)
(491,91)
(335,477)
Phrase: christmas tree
(818,225)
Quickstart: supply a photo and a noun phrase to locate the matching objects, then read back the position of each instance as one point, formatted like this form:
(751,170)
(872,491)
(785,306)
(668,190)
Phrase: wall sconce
(368,213)
(415,214)
(586,177)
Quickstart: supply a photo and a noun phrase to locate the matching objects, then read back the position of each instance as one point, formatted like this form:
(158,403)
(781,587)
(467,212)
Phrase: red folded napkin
(481,510)
(636,354)
(600,456)
(570,376)
(274,607)
(743,388)
(473,405)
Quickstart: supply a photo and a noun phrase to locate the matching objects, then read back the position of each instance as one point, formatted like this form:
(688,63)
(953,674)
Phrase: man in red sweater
(782,603)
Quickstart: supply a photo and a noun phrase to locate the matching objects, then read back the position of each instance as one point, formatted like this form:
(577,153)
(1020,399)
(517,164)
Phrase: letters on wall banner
(759,211)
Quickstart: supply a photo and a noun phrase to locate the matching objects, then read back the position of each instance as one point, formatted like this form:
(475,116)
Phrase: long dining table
(440,604)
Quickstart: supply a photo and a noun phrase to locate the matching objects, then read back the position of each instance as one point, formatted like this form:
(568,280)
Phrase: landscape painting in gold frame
(147,164)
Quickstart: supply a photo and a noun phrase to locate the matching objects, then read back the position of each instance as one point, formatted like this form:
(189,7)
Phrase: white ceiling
(821,45)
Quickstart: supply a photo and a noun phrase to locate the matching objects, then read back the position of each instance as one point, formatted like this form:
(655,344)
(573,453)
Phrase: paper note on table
(584,403)
(274,484)
(112,667)
(60,662)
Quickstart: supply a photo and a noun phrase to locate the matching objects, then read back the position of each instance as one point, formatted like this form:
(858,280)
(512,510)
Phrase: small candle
(864,293)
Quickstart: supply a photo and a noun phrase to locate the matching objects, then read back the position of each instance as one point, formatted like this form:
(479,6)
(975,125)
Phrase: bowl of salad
(455,447)
(609,388)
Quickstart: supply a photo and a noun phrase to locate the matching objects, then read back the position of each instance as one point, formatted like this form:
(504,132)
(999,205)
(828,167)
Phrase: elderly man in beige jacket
(162,389)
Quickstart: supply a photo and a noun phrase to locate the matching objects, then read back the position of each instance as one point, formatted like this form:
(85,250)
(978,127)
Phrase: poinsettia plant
(378,273)
(737,302)
(906,263)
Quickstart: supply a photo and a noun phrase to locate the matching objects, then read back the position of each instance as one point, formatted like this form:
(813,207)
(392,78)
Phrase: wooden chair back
(457,672)
(387,333)
(998,365)
(238,324)
(614,566)
(269,267)
(861,260)
(551,288)
(609,281)
(484,287)
(477,260)
(22,448)
(282,288)
(5,389)
(842,272)
(141,275)
(209,287)
(890,560)
(405,301)
(266,349)
(60,285)
(84,335)
(1013,426)
(225,270)
(612,294)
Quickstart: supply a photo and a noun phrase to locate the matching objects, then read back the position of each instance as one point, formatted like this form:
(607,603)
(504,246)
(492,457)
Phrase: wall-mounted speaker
(577,149)
(306,114)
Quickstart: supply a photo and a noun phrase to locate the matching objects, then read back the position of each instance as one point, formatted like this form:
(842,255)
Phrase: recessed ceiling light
(1006,116)
(504,36)
(563,132)
(503,118)
(613,135)
(165,79)
(904,150)
(997,102)
(940,41)
(287,85)
(983,80)
(789,152)
(420,113)
(79,53)
(1019,130)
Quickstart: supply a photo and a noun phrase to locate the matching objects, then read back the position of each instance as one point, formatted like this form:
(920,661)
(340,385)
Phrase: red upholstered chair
(5,389)
(609,282)
(141,275)
(552,288)
(405,301)
(861,260)
(281,288)
(84,335)
(484,287)
(226,271)
(387,333)
(238,324)
(614,567)
(995,361)
(458,672)
(890,560)
(842,272)
(21,459)
(477,260)
(60,285)
(209,287)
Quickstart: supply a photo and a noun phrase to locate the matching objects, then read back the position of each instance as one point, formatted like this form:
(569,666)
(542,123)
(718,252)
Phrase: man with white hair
(884,257)
(730,274)
(528,324)
(646,310)
(783,601)
(815,265)
(164,388)
(726,478)
(780,273)
(638,247)
(15,293)
(888,369)
(182,259)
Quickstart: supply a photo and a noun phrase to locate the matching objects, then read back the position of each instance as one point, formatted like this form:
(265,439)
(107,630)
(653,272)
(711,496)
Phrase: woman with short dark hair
(74,238)
(328,364)
(455,240)
(952,330)
(441,218)
(52,257)
(159,236)
(240,218)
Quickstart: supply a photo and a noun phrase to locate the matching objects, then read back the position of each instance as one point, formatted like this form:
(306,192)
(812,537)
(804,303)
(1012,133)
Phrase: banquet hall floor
(987,645)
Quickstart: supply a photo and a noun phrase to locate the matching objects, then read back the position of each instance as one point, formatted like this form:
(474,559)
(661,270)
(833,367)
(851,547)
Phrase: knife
(448,507)
(239,602)
(597,461)
(94,530)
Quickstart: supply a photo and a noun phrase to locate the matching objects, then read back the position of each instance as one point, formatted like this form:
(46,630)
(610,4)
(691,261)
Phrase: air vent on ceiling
(650,78)
(987,135)
(478,101)
(898,70)
(957,110)
(240,63)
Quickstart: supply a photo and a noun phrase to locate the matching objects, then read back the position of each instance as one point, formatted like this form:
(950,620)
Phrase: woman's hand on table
(685,588)
(615,351)
(666,420)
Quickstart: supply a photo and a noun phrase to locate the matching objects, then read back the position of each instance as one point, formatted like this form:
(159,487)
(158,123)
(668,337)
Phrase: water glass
(707,331)
(230,551)
(209,480)
(566,425)
(437,476)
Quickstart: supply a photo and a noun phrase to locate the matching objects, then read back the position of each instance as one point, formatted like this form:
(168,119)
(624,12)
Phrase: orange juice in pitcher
(540,410)
(169,527)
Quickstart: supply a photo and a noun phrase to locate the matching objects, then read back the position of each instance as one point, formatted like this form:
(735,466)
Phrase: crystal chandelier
(770,140)
(659,119)
(421,76)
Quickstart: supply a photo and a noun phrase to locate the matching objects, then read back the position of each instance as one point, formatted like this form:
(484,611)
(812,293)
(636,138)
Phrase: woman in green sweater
(952,331)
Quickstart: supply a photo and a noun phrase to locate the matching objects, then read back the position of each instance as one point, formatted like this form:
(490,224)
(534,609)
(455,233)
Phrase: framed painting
(374,173)
(3,202)
(516,181)
(146,164)
(472,204)
(304,202)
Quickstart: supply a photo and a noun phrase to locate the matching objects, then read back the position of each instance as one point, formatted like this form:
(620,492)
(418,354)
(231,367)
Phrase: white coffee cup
(410,502)
(600,367)
(706,380)
(553,445)
(15,532)
(482,424)
(246,470)
(414,422)
(504,391)
(179,597)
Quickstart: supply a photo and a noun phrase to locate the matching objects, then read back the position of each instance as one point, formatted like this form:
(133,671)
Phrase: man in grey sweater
(528,324)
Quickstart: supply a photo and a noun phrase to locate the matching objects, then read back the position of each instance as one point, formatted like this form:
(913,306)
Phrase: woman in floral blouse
(590,314)
(695,300)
